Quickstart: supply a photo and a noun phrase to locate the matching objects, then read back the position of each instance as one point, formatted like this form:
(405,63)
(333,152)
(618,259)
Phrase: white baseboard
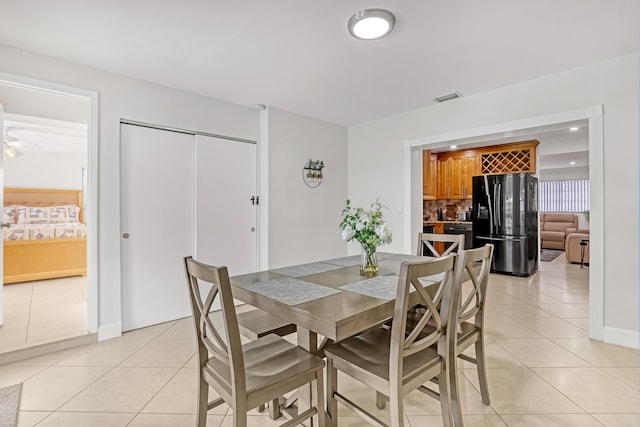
(112,330)
(623,337)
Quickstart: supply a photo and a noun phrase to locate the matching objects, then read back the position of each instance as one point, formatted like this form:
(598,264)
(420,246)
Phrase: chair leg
(445,391)
(203,402)
(450,392)
(332,387)
(395,407)
(317,396)
(239,414)
(381,400)
(274,409)
(482,371)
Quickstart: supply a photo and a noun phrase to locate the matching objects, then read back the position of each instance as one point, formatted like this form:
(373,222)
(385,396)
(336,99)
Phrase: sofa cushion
(557,226)
(553,235)
(560,217)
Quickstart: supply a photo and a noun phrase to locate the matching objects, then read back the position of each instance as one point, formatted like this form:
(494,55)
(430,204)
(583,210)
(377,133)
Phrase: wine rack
(507,162)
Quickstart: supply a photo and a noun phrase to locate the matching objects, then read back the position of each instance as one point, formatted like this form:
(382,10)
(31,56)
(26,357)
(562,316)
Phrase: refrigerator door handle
(498,206)
(489,203)
(491,238)
(499,239)
(495,206)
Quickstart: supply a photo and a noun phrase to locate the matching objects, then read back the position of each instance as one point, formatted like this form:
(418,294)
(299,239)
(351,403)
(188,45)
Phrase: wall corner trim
(623,337)
(107,332)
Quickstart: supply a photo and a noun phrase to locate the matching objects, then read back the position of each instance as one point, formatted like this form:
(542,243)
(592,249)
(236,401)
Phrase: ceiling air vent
(448,97)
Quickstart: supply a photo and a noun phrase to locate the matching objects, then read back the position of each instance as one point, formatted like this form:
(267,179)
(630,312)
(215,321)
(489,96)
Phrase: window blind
(564,196)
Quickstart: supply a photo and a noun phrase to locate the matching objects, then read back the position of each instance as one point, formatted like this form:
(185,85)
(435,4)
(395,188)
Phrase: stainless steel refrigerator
(505,213)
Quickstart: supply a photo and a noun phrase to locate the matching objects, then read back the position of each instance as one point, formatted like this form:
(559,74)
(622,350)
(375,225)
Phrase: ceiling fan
(9,144)
(13,146)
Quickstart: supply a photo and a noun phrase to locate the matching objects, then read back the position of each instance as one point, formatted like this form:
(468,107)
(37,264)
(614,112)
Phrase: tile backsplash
(430,207)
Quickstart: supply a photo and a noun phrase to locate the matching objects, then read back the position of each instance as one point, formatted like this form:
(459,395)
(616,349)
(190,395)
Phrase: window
(564,196)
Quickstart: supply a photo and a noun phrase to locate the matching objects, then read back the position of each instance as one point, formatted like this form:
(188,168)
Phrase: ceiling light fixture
(573,129)
(453,147)
(572,163)
(371,24)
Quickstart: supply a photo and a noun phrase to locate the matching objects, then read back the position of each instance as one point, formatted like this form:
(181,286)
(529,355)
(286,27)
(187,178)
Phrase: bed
(45,237)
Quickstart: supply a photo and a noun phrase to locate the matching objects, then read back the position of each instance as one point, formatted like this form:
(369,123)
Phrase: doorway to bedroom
(46,158)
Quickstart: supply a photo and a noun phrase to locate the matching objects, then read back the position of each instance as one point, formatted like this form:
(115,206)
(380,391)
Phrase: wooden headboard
(43,197)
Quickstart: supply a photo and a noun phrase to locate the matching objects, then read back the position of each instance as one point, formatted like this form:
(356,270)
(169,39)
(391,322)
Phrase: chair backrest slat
(476,265)
(435,315)
(428,240)
(210,343)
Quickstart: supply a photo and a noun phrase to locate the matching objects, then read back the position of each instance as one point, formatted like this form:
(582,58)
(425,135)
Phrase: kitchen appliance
(439,213)
(462,216)
(505,213)
(466,229)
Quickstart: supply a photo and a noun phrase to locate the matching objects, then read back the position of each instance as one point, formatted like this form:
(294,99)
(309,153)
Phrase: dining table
(328,299)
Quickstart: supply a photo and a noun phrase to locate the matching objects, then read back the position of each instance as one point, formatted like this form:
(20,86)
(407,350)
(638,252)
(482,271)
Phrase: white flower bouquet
(367,227)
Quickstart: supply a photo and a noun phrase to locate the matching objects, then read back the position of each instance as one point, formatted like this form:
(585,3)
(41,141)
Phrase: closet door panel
(225,216)
(157,224)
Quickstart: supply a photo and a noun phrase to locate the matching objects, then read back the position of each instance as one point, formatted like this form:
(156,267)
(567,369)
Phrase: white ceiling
(28,133)
(298,56)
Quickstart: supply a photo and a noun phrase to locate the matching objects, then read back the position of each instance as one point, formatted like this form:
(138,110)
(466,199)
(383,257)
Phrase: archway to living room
(518,130)
(49,293)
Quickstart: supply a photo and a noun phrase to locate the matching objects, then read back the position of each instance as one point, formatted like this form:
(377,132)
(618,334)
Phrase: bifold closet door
(157,224)
(226,217)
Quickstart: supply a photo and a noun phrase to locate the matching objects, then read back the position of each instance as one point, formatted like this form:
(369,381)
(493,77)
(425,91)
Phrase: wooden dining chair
(474,265)
(397,361)
(427,244)
(427,247)
(473,269)
(257,323)
(245,376)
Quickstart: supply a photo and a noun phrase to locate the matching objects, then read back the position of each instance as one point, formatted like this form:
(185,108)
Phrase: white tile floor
(543,371)
(43,311)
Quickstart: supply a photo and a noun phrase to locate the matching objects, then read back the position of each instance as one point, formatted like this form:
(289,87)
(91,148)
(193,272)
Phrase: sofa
(573,250)
(555,227)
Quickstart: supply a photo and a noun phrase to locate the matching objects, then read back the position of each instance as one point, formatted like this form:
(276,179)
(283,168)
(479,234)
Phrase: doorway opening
(591,116)
(49,291)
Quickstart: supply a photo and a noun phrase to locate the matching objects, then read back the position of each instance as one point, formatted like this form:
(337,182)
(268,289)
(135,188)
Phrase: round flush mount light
(371,24)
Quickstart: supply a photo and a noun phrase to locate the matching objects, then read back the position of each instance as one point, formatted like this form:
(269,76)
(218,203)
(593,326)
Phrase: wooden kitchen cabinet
(438,228)
(454,170)
(451,177)
(472,167)
(429,175)
(443,177)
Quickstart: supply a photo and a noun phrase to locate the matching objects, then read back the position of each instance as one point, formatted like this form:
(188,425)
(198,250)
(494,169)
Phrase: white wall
(45,169)
(121,97)
(304,222)
(563,174)
(376,158)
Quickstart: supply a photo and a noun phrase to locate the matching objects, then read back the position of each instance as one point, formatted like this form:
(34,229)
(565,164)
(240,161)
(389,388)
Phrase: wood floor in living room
(543,371)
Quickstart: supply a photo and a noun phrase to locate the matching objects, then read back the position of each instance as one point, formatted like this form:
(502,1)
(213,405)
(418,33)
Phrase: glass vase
(369,261)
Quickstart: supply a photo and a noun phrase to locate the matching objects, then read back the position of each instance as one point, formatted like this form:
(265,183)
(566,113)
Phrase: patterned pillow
(10,214)
(48,214)
(66,214)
